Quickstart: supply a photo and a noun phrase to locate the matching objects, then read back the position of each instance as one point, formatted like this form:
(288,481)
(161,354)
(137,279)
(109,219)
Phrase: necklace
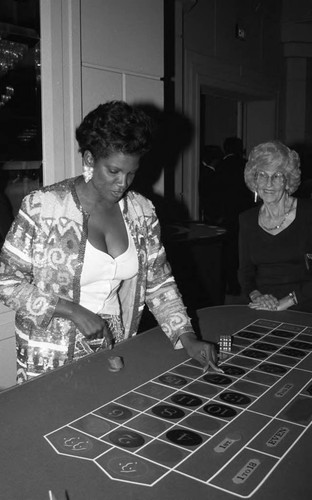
(281,223)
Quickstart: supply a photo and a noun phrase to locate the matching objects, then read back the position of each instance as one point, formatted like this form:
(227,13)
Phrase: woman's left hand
(204,352)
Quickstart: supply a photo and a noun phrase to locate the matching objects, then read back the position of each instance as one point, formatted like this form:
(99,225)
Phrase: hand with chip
(91,325)
(204,352)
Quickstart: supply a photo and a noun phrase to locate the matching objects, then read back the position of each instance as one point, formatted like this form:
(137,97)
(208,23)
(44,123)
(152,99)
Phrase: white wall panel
(99,86)
(146,91)
(7,348)
(138,89)
(125,34)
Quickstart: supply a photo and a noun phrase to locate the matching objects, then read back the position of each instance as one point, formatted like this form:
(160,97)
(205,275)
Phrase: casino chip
(115,363)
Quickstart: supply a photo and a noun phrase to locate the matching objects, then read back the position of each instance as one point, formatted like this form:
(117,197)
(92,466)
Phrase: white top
(102,274)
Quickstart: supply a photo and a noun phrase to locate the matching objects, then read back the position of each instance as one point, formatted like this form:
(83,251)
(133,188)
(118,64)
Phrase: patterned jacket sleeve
(18,289)
(162,295)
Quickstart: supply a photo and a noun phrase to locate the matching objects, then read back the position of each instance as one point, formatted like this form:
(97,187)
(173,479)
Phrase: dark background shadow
(173,133)
(304,151)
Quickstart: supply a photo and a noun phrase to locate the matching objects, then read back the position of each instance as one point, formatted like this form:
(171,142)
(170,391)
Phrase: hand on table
(266,301)
(270,303)
(204,352)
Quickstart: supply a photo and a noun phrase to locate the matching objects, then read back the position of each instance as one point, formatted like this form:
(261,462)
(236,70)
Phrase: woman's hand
(204,352)
(270,303)
(264,301)
(88,323)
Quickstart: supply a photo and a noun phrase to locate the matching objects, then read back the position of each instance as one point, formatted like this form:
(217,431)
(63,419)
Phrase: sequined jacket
(42,259)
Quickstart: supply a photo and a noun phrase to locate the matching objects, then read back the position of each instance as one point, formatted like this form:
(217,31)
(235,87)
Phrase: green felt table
(30,467)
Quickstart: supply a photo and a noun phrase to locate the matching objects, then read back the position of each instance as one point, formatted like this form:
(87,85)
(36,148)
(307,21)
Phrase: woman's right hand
(263,301)
(88,323)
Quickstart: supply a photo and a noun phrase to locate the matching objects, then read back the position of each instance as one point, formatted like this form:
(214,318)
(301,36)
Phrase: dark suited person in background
(233,198)
(211,156)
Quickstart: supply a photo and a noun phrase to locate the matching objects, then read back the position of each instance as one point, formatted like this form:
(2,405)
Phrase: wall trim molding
(120,71)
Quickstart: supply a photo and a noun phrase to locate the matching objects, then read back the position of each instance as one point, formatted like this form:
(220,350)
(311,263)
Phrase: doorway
(220,118)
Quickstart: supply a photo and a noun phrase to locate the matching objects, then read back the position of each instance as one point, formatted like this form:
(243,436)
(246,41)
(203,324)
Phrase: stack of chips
(225,346)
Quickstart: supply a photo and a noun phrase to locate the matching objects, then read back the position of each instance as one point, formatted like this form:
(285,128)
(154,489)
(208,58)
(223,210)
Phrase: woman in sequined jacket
(84,255)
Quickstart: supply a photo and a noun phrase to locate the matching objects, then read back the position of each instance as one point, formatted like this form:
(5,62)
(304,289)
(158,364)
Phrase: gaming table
(159,428)
(194,250)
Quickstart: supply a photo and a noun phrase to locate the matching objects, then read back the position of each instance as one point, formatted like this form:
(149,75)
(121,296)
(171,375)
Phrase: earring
(256,196)
(87,173)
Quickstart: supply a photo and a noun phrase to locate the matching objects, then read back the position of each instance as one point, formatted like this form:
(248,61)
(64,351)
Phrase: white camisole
(102,274)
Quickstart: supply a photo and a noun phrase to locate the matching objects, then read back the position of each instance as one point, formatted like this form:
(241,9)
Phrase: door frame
(200,72)
(60,87)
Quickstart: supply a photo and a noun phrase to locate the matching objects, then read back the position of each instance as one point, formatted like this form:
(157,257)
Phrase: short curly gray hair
(273,153)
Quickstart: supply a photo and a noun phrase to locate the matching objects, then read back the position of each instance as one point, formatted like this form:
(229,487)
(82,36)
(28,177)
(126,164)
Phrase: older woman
(276,237)
(84,255)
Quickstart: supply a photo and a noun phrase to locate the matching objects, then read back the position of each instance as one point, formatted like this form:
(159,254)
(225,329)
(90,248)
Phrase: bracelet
(293,297)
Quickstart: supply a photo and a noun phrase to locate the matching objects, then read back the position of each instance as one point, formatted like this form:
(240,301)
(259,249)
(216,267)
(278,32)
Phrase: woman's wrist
(289,300)
(64,309)
(187,337)
(292,296)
